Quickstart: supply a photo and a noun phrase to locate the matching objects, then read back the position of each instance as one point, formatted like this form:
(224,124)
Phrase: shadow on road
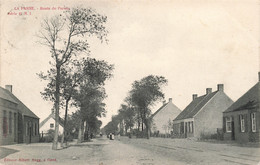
(6,151)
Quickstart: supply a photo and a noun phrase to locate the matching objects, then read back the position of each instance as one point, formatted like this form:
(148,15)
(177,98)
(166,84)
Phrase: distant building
(241,121)
(19,123)
(203,116)
(162,118)
(49,124)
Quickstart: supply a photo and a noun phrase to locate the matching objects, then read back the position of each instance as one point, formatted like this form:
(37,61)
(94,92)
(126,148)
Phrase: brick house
(241,121)
(8,118)
(203,116)
(22,125)
(160,119)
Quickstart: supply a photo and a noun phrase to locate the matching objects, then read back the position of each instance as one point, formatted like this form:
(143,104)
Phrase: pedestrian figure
(118,136)
(113,136)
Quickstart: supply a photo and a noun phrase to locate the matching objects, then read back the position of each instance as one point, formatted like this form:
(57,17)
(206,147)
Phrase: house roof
(249,100)
(194,107)
(162,107)
(21,107)
(48,118)
(4,95)
(159,109)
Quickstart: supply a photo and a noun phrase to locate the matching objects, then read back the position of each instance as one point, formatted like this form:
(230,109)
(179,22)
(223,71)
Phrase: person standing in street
(118,136)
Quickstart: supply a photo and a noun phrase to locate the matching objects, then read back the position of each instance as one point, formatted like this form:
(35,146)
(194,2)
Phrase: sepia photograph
(127,82)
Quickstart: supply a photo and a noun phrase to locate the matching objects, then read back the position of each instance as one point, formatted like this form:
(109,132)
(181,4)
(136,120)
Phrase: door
(185,130)
(232,131)
(30,132)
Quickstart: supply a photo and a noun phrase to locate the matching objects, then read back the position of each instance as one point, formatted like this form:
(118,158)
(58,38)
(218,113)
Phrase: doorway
(232,131)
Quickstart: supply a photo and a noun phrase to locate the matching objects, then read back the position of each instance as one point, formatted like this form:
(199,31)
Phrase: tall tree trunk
(147,125)
(57,109)
(141,122)
(65,123)
(87,131)
(138,124)
(80,132)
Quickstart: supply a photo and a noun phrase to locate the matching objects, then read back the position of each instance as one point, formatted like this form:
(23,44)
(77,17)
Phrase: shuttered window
(191,126)
(35,127)
(188,126)
(253,122)
(228,124)
(242,123)
(10,123)
(5,126)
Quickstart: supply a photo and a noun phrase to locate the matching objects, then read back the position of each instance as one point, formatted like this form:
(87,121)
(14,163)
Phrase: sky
(194,44)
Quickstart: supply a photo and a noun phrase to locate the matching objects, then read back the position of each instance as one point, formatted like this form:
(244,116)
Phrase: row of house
(214,111)
(17,122)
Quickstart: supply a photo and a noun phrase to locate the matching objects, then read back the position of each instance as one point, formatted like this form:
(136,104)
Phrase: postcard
(130,82)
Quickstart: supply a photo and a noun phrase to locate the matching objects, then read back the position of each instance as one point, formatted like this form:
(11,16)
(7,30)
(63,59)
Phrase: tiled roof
(5,95)
(194,107)
(249,100)
(21,107)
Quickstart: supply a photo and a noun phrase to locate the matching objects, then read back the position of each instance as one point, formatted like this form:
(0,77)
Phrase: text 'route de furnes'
(28,10)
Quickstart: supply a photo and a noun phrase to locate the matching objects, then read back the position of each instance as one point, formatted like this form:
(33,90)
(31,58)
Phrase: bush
(140,134)
(49,136)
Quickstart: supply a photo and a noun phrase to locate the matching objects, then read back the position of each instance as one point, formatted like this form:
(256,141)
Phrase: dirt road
(133,152)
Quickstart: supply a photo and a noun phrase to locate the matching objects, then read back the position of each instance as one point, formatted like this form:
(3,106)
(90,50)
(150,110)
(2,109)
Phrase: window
(228,124)
(188,126)
(253,121)
(29,125)
(51,125)
(5,124)
(26,129)
(242,123)
(37,132)
(191,126)
(10,123)
(15,125)
(35,127)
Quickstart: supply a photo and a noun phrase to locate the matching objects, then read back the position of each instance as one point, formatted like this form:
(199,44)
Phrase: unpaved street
(133,151)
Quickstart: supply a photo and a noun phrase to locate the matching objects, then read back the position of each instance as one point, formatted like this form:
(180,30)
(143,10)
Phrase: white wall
(169,112)
(46,126)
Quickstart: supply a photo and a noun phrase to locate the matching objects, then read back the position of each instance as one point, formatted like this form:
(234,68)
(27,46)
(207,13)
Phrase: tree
(88,70)
(66,37)
(90,102)
(112,126)
(144,94)
(126,114)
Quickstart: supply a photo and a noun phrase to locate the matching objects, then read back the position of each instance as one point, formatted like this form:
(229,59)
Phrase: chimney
(220,87)
(170,99)
(258,76)
(164,101)
(9,88)
(208,90)
(194,96)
